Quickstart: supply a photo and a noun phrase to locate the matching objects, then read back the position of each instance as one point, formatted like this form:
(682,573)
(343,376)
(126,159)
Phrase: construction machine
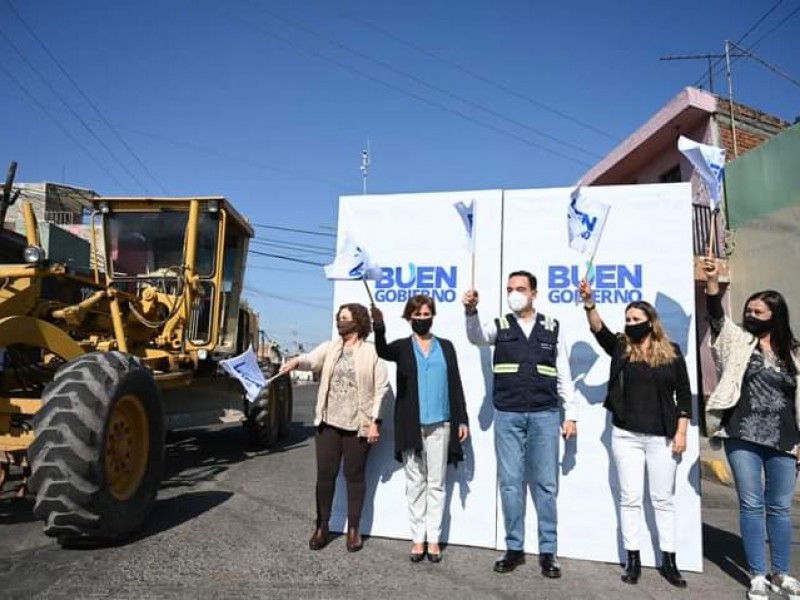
(97,365)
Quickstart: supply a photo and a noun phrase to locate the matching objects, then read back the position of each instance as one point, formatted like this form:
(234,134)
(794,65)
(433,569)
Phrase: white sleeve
(312,361)
(564,385)
(480,335)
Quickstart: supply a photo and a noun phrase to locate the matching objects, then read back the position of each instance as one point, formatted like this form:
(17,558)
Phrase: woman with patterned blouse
(353,392)
(754,409)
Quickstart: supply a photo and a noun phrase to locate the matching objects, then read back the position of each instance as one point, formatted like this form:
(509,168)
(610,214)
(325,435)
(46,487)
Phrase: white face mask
(517,301)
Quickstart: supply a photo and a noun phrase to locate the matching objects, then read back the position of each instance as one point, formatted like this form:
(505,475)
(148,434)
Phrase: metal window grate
(701,222)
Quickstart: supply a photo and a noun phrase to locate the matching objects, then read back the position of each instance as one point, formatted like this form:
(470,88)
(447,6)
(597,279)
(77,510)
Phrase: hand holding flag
(352,263)
(245,368)
(467,214)
(709,162)
(586,219)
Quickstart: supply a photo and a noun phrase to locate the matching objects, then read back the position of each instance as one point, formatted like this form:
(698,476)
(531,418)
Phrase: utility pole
(365,168)
(8,196)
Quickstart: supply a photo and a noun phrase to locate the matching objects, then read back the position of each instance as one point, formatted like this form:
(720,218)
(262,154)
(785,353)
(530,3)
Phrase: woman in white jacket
(755,410)
(354,386)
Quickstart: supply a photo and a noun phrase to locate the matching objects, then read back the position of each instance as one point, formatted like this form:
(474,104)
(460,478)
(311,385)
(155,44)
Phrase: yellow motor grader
(97,365)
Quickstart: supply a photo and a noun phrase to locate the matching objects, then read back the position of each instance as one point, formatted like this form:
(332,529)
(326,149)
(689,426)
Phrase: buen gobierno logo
(398,284)
(610,283)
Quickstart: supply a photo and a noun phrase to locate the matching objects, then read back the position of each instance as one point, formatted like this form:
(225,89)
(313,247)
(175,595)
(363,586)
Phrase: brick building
(650,155)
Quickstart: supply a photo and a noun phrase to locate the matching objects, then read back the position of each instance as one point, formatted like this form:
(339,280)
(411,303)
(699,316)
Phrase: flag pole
(472,271)
(712,234)
(369,292)
(590,263)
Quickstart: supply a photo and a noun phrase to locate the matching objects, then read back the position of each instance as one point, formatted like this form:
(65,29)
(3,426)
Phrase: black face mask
(346,327)
(756,326)
(638,331)
(421,326)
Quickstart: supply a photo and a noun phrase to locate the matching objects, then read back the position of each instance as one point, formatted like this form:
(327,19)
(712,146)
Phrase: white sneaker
(758,588)
(786,586)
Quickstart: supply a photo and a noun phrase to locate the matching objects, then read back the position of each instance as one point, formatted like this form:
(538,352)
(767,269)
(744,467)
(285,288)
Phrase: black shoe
(669,569)
(416,557)
(550,566)
(435,558)
(510,561)
(319,539)
(633,568)
(354,541)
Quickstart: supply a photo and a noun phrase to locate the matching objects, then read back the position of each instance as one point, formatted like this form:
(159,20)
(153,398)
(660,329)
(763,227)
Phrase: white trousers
(425,475)
(632,452)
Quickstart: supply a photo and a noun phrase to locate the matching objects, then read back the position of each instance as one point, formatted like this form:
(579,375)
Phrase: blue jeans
(526,443)
(773,495)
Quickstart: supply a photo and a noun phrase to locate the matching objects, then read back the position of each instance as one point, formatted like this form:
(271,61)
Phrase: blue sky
(271,103)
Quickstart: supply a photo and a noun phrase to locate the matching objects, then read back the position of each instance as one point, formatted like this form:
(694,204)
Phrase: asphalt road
(235,524)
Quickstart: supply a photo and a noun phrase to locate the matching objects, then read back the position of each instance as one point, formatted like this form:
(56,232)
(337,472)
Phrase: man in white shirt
(531,382)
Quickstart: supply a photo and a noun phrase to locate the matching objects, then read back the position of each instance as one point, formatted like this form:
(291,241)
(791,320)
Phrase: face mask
(638,331)
(421,326)
(346,327)
(757,326)
(517,301)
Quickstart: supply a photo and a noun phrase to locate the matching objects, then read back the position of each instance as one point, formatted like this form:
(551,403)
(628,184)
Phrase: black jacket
(672,383)
(407,434)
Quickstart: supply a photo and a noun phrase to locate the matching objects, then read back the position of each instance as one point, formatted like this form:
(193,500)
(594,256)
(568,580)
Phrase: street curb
(715,469)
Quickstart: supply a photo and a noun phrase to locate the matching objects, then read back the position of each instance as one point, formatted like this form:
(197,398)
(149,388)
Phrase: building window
(673,175)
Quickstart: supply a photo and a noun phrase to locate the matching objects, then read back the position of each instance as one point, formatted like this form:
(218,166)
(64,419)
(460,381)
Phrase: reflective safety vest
(525,368)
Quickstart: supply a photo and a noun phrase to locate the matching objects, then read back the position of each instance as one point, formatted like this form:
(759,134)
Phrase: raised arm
(607,340)
(713,299)
(477,334)
(592,314)
(385,351)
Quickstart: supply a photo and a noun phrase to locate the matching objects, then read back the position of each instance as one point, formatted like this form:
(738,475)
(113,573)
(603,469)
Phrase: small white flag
(709,162)
(352,262)
(585,221)
(467,214)
(245,368)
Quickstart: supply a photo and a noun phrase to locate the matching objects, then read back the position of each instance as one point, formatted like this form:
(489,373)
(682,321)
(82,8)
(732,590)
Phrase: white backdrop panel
(645,253)
(420,240)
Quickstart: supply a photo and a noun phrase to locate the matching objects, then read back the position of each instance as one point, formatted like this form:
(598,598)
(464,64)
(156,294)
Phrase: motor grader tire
(98,454)
(263,419)
(286,404)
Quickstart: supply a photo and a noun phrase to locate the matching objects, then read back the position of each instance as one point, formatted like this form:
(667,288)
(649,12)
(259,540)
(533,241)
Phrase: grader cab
(98,365)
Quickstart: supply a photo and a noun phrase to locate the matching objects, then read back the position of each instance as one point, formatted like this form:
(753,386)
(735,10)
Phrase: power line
(85,96)
(777,26)
(293,230)
(300,245)
(260,292)
(289,258)
(60,125)
(424,83)
(72,111)
(712,69)
(475,75)
(769,66)
(400,90)
(296,247)
(239,159)
(280,270)
(215,152)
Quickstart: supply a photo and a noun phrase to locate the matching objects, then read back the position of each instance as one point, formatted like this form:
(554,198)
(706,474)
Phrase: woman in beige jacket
(755,410)
(354,386)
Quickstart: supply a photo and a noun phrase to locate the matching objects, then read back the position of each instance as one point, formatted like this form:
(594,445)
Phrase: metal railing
(701,226)
(62,217)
